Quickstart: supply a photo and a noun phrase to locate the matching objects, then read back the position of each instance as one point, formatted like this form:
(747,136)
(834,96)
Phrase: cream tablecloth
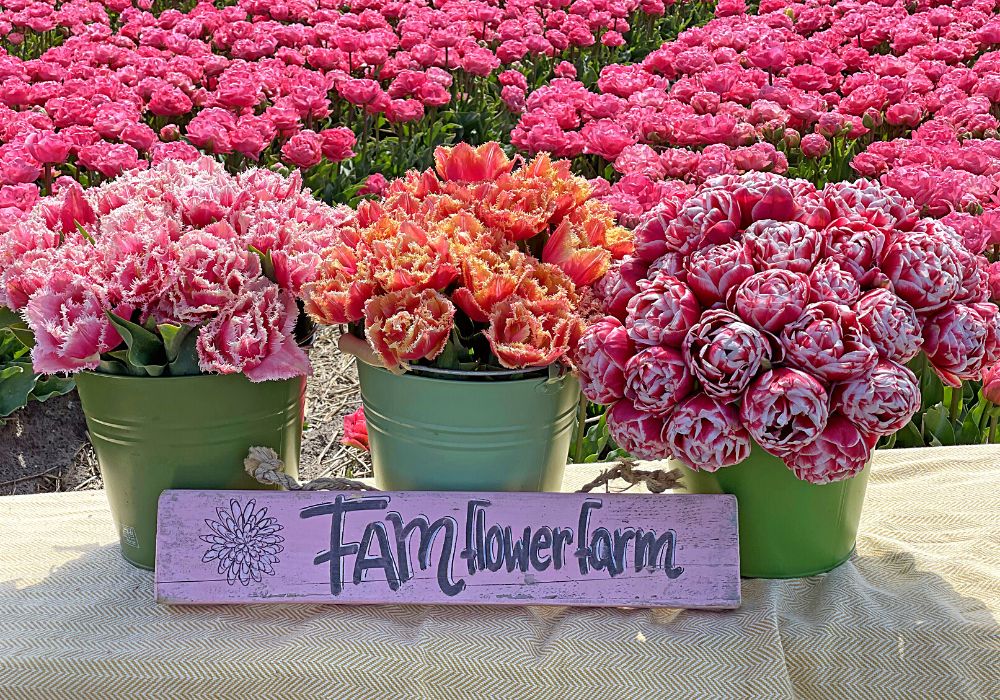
(912,615)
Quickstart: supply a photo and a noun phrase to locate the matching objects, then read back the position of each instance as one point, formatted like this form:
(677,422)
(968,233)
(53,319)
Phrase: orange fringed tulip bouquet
(482,263)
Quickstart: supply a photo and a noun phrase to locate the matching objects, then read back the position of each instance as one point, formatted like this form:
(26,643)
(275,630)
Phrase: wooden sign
(458,548)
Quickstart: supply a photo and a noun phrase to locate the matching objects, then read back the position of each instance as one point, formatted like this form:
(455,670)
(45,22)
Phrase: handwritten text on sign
(422,547)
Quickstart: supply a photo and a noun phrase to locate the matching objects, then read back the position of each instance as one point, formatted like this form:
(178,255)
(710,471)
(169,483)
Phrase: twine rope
(264,465)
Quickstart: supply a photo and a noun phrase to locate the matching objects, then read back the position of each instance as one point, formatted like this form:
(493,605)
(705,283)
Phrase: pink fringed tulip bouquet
(481,264)
(760,309)
(180,269)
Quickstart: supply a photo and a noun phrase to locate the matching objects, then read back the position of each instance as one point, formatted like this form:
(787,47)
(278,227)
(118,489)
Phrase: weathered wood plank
(451,548)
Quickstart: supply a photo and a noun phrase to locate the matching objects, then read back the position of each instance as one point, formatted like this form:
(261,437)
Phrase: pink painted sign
(453,548)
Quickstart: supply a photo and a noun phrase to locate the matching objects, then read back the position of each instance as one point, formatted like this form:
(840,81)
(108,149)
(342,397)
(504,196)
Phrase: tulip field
(743,200)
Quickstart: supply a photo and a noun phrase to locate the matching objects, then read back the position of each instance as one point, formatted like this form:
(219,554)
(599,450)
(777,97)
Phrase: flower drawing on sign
(244,542)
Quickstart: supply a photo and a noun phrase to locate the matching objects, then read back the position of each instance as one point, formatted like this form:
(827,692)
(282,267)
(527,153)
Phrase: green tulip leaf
(938,424)
(16,382)
(145,349)
(173,338)
(185,360)
(909,435)
(9,318)
(49,386)
(970,433)
(266,264)
(931,388)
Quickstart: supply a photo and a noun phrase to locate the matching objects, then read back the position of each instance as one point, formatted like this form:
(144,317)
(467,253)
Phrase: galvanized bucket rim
(453,376)
(186,377)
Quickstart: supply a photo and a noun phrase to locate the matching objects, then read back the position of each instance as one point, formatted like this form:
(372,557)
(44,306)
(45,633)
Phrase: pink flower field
(783,225)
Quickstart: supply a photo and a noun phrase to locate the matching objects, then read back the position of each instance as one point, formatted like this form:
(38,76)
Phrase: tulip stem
(956,403)
(581,429)
(994,434)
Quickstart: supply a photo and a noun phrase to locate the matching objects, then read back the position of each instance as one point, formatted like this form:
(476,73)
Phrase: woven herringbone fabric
(912,615)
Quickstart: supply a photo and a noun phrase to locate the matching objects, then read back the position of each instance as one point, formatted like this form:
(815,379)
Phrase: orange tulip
(413,260)
(517,208)
(407,326)
(488,278)
(533,333)
(575,255)
(341,288)
(464,163)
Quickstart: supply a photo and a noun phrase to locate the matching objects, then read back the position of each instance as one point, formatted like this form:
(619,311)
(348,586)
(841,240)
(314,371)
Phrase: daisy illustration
(244,541)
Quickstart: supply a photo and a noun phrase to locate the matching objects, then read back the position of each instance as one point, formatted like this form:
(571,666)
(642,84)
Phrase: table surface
(911,615)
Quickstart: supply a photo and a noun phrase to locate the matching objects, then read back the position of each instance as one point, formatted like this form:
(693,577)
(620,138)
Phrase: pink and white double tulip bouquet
(762,309)
(175,270)
(477,265)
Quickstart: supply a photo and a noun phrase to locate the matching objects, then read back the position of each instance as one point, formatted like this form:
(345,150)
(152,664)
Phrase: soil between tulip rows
(44,448)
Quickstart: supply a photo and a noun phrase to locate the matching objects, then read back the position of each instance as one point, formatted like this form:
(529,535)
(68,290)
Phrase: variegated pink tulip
(710,217)
(725,353)
(785,409)
(828,342)
(600,358)
(772,299)
(656,379)
(216,271)
(830,282)
(923,268)
(637,432)
(955,341)
(781,245)
(620,284)
(662,312)
(881,402)
(891,324)
(706,434)
(839,452)
(856,245)
(715,272)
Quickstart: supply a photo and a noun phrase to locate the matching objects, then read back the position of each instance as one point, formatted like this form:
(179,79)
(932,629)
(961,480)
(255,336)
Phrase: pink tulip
(356,430)
(715,272)
(830,282)
(828,342)
(254,337)
(601,356)
(891,325)
(619,285)
(656,379)
(772,299)
(724,353)
(637,432)
(783,245)
(955,341)
(881,402)
(67,316)
(839,452)
(924,269)
(662,312)
(706,434)
(304,150)
(784,410)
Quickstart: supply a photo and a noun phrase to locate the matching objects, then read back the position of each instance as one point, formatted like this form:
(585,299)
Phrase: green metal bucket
(788,528)
(432,434)
(152,434)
